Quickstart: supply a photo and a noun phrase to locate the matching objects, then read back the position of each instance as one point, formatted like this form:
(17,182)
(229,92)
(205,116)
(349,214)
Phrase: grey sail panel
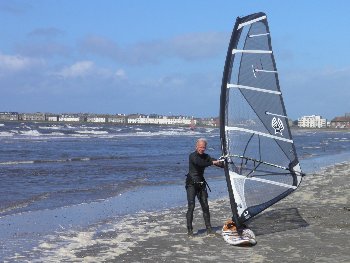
(261,162)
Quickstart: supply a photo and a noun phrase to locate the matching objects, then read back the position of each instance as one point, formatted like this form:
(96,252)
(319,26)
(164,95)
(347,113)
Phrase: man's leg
(191,194)
(203,200)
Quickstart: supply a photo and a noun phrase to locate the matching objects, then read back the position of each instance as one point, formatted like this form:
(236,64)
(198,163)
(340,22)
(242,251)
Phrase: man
(197,186)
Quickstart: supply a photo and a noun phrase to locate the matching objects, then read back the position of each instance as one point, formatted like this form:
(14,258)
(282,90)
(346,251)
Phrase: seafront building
(119,118)
(160,119)
(96,118)
(32,116)
(152,119)
(51,117)
(70,118)
(9,116)
(313,121)
(341,122)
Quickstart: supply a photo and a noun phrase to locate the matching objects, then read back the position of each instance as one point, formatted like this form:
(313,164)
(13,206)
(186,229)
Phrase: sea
(53,170)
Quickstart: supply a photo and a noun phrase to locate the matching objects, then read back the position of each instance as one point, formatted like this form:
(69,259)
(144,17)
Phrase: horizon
(131,56)
(149,114)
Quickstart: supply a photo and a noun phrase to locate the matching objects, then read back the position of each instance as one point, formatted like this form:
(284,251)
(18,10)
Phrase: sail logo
(246,214)
(277,124)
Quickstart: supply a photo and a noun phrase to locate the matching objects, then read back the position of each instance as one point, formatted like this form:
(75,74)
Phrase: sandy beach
(311,225)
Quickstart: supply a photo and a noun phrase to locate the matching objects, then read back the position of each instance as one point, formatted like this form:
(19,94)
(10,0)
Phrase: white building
(9,116)
(116,119)
(159,119)
(313,121)
(181,120)
(96,118)
(32,116)
(136,119)
(51,117)
(69,117)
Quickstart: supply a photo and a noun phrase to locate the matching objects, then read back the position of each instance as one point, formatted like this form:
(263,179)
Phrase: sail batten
(261,163)
(235,175)
(259,35)
(232,128)
(255,51)
(264,70)
(253,88)
(275,114)
(251,21)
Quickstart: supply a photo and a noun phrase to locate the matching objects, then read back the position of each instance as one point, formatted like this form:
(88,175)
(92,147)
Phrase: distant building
(341,122)
(96,118)
(159,119)
(8,116)
(119,118)
(51,117)
(313,121)
(69,117)
(32,116)
(209,122)
(135,118)
(152,119)
(146,119)
(180,120)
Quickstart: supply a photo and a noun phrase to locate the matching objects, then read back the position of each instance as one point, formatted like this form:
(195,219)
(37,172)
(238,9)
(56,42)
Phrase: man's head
(201,145)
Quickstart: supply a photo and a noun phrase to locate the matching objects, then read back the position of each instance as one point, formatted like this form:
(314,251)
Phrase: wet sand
(311,225)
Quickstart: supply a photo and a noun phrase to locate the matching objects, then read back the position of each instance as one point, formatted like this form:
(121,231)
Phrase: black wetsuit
(196,186)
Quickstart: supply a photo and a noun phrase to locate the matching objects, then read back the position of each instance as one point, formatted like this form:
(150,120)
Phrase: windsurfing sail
(261,163)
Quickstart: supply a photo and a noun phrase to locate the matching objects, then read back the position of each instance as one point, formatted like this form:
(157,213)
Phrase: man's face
(200,147)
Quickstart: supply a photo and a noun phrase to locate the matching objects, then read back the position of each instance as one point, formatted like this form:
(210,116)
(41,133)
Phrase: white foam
(16,162)
(50,127)
(90,127)
(31,133)
(64,247)
(311,147)
(166,133)
(6,134)
(92,132)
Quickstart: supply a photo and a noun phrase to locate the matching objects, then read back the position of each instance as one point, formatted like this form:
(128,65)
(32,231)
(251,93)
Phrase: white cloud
(89,70)
(120,73)
(78,69)
(18,63)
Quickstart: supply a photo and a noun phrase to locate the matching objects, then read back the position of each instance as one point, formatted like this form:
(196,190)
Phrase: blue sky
(164,57)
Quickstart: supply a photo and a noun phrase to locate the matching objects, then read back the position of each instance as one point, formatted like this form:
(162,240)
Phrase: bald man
(197,186)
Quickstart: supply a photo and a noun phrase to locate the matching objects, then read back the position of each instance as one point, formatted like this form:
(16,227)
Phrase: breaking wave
(74,159)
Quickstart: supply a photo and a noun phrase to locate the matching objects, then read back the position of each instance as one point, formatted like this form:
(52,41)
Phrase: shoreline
(311,225)
(293,128)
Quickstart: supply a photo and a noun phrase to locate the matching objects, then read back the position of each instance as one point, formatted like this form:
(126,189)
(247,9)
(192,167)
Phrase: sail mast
(225,80)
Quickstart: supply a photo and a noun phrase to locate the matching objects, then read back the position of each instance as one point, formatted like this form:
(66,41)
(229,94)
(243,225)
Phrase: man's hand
(218,163)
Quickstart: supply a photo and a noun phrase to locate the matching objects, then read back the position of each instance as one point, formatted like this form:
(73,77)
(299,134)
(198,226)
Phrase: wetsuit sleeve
(201,162)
